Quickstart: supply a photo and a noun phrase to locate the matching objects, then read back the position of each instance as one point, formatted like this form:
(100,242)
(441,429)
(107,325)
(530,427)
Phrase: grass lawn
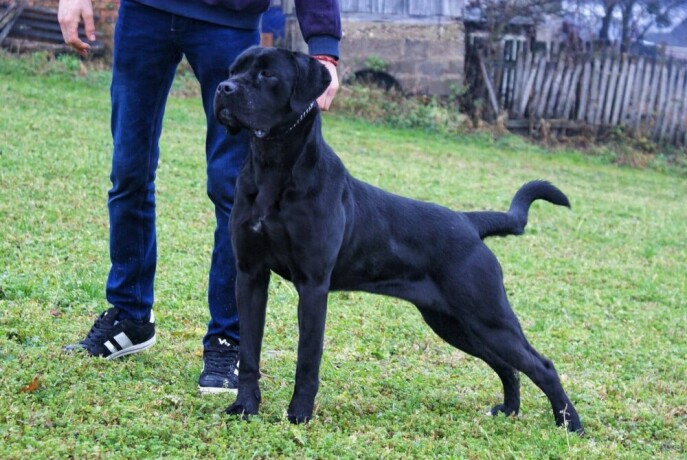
(599,289)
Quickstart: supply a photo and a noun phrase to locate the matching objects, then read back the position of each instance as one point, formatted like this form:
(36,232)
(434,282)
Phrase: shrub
(393,108)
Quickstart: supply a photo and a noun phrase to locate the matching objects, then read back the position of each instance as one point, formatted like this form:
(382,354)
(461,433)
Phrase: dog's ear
(312,79)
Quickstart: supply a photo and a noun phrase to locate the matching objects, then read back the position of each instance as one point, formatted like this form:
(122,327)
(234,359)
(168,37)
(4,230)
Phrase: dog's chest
(271,221)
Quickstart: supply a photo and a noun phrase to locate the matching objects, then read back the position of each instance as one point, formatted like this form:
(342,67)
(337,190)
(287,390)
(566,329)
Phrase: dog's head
(268,89)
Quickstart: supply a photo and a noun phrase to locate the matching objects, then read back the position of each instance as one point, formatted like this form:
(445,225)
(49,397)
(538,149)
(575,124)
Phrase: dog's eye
(266,74)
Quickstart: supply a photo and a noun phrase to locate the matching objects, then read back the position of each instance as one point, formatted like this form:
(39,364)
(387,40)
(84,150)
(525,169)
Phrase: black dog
(299,213)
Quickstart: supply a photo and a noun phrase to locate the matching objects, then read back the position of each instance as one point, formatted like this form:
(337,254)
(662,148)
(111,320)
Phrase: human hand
(325,100)
(69,14)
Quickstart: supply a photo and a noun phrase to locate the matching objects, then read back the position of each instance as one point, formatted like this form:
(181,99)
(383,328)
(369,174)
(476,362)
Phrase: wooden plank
(29,46)
(563,91)
(650,114)
(667,118)
(635,115)
(676,108)
(520,123)
(496,73)
(424,7)
(39,14)
(521,75)
(348,6)
(603,91)
(624,79)
(585,91)
(489,85)
(538,67)
(681,125)
(594,92)
(452,8)
(671,104)
(572,93)
(10,11)
(610,93)
(632,96)
(40,35)
(660,105)
(52,26)
(555,123)
(506,83)
(555,89)
(10,16)
(538,88)
(681,136)
(527,81)
(544,91)
(396,7)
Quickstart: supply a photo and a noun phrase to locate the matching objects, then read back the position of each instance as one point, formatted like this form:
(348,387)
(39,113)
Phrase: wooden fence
(645,96)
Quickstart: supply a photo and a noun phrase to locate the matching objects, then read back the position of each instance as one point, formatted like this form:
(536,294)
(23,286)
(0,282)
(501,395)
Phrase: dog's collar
(262,135)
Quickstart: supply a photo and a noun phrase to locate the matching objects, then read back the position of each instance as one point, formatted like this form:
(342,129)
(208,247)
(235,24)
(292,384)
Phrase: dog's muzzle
(222,111)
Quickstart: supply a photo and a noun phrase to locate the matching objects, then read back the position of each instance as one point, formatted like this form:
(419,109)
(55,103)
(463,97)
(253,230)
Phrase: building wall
(424,58)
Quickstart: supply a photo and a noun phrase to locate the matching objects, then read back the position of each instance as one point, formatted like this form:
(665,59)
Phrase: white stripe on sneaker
(133,349)
(110,347)
(123,341)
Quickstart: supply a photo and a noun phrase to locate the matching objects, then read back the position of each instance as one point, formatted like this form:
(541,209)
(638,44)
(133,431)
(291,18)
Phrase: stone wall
(424,57)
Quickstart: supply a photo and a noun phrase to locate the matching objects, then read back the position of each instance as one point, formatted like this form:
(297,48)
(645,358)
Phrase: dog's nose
(226,87)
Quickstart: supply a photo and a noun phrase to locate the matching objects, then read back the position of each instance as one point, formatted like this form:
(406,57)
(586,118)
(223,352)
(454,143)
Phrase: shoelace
(221,363)
(98,332)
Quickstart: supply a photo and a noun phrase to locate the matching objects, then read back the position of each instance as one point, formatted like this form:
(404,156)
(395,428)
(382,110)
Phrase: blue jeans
(148,46)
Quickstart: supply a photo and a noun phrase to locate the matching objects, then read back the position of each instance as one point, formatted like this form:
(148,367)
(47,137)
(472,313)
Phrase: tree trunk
(606,22)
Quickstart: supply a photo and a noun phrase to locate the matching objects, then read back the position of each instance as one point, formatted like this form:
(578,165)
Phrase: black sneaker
(220,372)
(110,338)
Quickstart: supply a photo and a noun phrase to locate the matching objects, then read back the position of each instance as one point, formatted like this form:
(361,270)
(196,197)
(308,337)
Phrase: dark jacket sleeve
(320,23)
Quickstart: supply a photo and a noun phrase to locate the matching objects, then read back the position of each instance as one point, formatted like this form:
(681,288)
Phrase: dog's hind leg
(500,333)
(452,331)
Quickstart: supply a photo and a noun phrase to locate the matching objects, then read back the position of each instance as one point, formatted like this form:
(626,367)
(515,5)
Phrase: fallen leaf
(32,386)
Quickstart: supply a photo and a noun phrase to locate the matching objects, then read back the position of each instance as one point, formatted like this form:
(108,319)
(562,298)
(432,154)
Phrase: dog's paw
(571,423)
(503,409)
(299,412)
(241,410)
(297,419)
(245,406)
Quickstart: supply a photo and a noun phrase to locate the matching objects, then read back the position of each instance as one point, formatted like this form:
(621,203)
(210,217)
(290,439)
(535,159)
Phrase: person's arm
(69,14)
(320,23)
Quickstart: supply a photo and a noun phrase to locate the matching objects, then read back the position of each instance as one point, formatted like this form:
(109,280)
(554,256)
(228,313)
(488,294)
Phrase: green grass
(600,290)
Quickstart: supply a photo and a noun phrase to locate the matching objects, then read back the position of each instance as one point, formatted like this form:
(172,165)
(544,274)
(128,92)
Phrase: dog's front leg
(312,312)
(251,297)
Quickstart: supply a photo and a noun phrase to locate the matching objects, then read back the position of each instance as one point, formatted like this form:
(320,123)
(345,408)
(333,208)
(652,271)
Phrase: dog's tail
(492,223)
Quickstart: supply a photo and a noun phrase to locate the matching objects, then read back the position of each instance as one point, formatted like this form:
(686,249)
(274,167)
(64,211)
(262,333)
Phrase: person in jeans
(151,36)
